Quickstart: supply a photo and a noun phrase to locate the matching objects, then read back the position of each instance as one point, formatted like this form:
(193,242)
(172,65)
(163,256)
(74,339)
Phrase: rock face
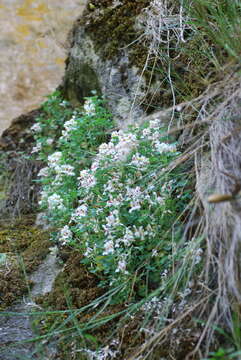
(17,136)
(106,56)
(20,195)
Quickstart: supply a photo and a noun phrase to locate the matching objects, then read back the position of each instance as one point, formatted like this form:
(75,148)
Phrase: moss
(192,63)
(25,247)
(112,28)
(74,288)
(113,24)
(73,285)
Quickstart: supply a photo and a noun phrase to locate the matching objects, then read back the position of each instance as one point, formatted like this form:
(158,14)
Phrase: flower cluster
(36,128)
(69,126)
(36,148)
(125,206)
(55,202)
(89,107)
(139,161)
(76,136)
(80,212)
(65,235)
(120,145)
(53,160)
(86,179)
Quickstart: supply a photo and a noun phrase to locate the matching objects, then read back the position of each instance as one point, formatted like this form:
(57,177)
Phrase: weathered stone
(101,58)
(17,136)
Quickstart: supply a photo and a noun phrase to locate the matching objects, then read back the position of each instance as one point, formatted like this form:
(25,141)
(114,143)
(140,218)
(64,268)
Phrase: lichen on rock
(101,58)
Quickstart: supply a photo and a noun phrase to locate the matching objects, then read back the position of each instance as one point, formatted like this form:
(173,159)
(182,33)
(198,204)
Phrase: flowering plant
(115,201)
(127,205)
(76,135)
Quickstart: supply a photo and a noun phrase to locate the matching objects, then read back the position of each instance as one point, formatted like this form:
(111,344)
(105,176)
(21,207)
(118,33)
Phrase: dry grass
(164,24)
(210,128)
(221,173)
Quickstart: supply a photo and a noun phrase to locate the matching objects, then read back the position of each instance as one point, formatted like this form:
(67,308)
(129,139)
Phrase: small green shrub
(116,202)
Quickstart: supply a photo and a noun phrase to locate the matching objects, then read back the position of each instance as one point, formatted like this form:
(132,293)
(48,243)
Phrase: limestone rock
(106,56)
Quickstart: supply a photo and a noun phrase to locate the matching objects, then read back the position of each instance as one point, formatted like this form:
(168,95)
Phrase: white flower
(86,179)
(43,198)
(89,107)
(127,142)
(70,124)
(135,195)
(117,149)
(81,211)
(112,185)
(36,128)
(164,273)
(146,132)
(154,124)
(115,201)
(163,147)
(154,252)
(54,159)
(55,201)
(128,238)
(109,247)
(106,150)
(121,266)
(88,251)
(155,136)
(44,172)
(139,161)
(95,165)
(65,235)
(36,148)
(49,141)
(112,221)
(65,169)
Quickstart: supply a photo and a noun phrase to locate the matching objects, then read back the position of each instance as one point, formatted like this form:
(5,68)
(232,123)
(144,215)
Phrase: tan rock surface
(33,51)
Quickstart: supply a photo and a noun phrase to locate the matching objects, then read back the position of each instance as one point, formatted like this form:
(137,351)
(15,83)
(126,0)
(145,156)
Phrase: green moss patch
(113,23)
(23,247)
(74,286)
